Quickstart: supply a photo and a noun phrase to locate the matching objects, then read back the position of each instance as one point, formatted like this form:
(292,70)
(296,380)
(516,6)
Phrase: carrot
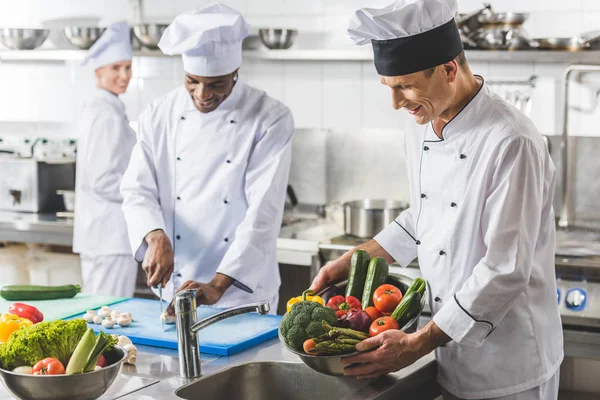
(308,345)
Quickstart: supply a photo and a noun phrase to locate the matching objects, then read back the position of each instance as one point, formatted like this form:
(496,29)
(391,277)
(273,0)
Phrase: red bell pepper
(26,311)
(343,305)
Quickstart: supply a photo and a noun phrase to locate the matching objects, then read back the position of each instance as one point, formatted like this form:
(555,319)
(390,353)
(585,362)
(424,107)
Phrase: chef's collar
(469,114)
(111,98)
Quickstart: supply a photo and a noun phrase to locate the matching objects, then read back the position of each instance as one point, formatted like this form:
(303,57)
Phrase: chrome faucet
(188,327)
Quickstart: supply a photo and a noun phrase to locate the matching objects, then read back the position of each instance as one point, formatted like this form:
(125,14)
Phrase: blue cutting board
(226,337)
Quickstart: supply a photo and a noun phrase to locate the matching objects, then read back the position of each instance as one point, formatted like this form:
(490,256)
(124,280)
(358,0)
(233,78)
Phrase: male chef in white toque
(104,145)
(481,220)
(205,189)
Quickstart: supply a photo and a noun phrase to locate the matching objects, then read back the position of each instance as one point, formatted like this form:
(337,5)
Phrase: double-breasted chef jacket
(482,226)
(216,184)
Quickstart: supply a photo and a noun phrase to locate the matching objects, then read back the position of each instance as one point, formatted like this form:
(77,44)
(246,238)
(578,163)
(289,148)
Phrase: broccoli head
(305,321)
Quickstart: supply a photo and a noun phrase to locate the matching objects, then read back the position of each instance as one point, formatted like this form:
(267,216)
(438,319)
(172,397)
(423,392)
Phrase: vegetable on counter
(33,292)
(128,346)
(410,305)
(386,298)
(26,311)
(359,265)
(305,321)
(377,274)
(307,295)
(343,305)
(88,350)
(10,323)
(48,366)
(56,339)
(383,324)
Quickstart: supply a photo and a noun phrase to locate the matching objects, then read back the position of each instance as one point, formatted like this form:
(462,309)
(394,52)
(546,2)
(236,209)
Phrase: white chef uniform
(481,222)
(104,145)
(214,182)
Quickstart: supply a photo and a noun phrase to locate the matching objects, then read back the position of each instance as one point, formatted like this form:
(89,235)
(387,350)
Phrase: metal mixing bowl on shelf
(88,386)
(277,39)
(149,34)
(83,36)
(332,365)
(23,39)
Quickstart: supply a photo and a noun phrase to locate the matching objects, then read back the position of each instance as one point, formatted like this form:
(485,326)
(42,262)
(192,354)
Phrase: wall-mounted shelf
(589,57)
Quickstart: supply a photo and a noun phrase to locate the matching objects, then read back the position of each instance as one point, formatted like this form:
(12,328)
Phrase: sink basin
(270,381)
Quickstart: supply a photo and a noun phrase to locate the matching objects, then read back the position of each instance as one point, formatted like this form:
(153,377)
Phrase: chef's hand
(331,273)
(391,351)
(159,260)
(206,293)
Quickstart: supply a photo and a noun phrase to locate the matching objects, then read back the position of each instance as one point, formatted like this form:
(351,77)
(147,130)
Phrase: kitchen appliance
(33,170)
(149,34)
(277,39)
(83,36)
(23,39)
(365,218)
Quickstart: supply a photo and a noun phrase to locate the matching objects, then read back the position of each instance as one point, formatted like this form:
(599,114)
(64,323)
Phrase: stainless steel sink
(276,380)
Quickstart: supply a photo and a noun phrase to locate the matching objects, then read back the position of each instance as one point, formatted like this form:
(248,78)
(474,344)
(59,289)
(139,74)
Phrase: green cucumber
(377,275)
(32,292)
(414,286)
(410,305)
(359,265)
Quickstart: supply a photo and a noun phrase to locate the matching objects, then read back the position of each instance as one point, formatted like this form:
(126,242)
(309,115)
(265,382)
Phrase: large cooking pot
(366,218)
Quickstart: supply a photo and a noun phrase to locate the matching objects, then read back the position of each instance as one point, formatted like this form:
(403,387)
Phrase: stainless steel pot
(366,218)
(587,41)
(501,38)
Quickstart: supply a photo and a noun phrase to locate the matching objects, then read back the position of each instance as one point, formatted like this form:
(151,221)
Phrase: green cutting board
(65,308)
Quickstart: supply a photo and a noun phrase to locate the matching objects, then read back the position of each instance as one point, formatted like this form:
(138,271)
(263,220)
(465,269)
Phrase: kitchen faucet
(188,327)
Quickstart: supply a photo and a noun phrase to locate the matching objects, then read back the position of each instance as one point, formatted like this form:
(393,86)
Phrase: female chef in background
(104,146)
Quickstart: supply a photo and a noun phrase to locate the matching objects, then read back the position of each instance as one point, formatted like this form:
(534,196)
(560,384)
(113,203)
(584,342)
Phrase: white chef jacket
(482,226)
(104,145)
(216,184)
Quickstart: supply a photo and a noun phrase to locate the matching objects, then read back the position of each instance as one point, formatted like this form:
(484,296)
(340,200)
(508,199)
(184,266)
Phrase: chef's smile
(207,93)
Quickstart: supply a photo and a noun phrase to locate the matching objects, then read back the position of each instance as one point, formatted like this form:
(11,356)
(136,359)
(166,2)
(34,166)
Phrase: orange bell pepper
(10,323)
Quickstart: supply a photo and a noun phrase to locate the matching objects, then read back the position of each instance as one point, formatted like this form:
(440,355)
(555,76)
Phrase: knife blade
(161,305)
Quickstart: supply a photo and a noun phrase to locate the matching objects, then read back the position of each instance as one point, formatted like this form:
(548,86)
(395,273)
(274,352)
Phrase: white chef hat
(209,40)
(408,35)
(114,45)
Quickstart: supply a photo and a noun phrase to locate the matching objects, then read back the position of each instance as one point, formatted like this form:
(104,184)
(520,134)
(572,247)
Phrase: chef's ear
(451,70)
(235,75)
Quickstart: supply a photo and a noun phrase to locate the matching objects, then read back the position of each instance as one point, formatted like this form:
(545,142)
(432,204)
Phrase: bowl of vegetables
(323,329)
(59,360)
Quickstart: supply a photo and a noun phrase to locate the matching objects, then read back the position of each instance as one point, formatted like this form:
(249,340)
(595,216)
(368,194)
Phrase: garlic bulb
(97,319)
(108,323)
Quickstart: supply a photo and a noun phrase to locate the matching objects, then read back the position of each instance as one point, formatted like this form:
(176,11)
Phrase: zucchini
(410,305)
(359,265)
(377,275)
(32,292)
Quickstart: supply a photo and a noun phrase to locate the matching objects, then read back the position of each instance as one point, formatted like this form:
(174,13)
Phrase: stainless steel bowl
(149,34)
(277,39)
(501,38)
(505,18)
(88,386)
(366,218)
(332,365)
(82,36)
(23,39)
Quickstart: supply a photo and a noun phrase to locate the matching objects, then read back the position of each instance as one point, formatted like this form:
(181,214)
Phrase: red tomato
(48,366)
(382,324)
(101,361)
(386,298)
(373,313)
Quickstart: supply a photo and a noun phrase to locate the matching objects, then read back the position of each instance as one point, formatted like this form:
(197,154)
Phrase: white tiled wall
(337,95)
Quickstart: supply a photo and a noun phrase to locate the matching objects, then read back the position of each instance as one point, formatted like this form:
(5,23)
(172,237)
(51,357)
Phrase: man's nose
(398,99)
(202,93)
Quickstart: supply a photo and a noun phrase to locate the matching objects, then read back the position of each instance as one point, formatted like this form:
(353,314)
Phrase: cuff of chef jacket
(147,225)
(398,243)
(457,323)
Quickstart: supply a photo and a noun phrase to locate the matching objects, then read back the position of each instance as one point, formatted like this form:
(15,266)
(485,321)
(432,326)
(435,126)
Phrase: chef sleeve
(266,183)
(398,238)
(141,205)
(106,158)
(510,221)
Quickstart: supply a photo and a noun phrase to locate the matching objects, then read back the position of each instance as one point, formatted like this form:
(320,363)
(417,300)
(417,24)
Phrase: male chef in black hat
(481,220)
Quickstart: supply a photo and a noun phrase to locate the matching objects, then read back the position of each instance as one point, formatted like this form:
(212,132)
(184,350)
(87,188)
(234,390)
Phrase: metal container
(23,39)
(88,386)
(366,218)
(83,36)
(277,39)
(149,34)
(503,19)
(332,365)
(587,41)
(469,23)
(29,185)
(501,38)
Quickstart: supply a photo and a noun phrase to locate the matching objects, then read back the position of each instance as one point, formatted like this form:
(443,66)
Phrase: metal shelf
(364,54)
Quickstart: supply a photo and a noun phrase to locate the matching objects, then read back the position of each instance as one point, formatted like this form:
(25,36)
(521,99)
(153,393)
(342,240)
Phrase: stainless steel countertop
(159,369)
